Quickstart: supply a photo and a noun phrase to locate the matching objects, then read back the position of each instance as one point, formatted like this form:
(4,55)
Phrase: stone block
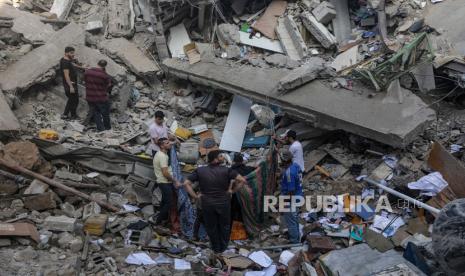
(324,13)
(41,202)
(65,175)
(60,223)
(311,4)
(318,30)
(291,39)
(90,210)
(36,187)
(94,26)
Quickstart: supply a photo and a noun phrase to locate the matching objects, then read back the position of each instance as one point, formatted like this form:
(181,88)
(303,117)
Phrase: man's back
(97,85)
(214,182)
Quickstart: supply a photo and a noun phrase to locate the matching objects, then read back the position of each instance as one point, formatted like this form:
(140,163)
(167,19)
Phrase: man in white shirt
(157,130)
(295,148)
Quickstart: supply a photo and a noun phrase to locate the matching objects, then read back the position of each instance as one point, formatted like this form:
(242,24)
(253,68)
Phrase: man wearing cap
(291,185)
(295,148)
(216,188)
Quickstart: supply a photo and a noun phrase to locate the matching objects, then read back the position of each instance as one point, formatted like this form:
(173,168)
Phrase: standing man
(295,148)
(291,185)
(98,82)
(69,74)
(165,180)
(157,130)
(216,188)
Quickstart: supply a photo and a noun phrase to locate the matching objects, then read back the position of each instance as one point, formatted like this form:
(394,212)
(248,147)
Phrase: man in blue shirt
(291,185)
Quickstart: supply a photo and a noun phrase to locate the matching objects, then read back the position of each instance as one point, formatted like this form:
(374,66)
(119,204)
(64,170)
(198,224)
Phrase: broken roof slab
(26,23)
(28,70)
(378,118)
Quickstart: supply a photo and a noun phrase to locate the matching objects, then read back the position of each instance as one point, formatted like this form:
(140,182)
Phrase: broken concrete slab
(36,187)
(34,66)
(8,120)
(291,40)
(120,18)
(94,26)
(342,23)
(60,223)
(27,24)
(424,75)
(324,107)
(450,30)
(177,40)
(131,55)
(318,30)
(266,24)
(91,56)
(61,8)
(302,75)
(41,202)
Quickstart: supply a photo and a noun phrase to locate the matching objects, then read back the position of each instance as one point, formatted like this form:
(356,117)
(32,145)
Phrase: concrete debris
(120,18)
(290,38)
(8,121)
(324,12)
(392,127)
(61,8)
(27,24)
(128,53)
(318,30)
(350,88)
(37,66)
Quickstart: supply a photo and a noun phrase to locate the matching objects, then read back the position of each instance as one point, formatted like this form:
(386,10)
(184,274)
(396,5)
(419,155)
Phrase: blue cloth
(292,222)
(187,213)
(291,180)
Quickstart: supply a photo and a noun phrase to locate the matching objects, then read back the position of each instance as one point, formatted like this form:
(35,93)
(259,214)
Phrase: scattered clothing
(297,154)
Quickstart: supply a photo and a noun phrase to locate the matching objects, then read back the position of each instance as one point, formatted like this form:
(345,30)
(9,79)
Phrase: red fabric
(97,84)
(174,216)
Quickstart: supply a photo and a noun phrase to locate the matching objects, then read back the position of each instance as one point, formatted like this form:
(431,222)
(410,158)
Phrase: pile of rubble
(372,89)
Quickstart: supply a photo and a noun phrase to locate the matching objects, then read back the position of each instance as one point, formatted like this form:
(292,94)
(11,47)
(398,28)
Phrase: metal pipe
(398,194)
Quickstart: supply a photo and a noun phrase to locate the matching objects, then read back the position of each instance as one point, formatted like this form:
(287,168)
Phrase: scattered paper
(270,271)
(389,223)
(163,259)
(285,257)
(139,259)
(130,208)
(180,264)
(455,148)
(92,175)
(391,161)
(260,258)
(430,185)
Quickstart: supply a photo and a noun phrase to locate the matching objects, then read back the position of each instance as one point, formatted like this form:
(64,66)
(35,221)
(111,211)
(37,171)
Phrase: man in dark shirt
(98,82)
(216,187)
(239,165)
(69,75)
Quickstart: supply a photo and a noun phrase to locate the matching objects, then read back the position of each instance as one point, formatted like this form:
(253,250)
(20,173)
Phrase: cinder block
(318,30)
(324,13)
(60,223)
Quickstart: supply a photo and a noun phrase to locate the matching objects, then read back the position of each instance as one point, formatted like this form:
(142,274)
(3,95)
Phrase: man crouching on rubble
(291,185)
(98,83)
(165,179)
(216,188)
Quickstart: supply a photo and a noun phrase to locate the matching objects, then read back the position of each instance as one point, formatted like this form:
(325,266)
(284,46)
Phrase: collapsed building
(367,85)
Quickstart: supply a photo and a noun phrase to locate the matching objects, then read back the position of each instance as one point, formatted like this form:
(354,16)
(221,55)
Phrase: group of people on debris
(98,86)
(218,184)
